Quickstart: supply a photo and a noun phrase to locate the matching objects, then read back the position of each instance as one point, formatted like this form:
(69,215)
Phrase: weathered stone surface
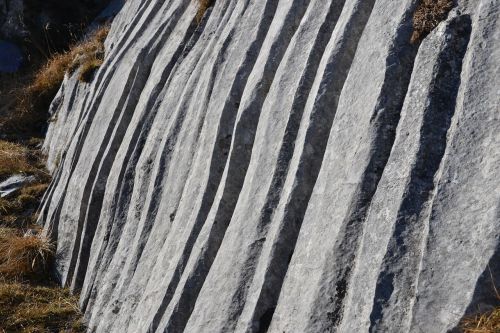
(284,166)
(14,183)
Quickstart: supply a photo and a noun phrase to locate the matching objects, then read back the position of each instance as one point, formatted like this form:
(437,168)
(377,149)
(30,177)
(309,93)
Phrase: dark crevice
(239,159)
(163,169)
(215,175)
(94,190)
(486,295)
(265,320)
(139,137)
(101,82)
(114,227)
(432,145)
(321,119)
(284,158)
(219,158)
(384,121)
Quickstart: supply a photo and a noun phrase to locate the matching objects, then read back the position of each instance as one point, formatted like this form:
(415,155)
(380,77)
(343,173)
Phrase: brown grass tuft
(14,158)
(24,256)
(33,100)
(483,323)
(18,209)
(202,9)
(89,56)
(35,190)
(488,322)
(427,16)
(88,69)
(28,308)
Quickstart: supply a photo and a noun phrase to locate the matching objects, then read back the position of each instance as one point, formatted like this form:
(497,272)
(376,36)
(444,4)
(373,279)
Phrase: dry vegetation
(486,322)
(89,56)
(33,100)
(427,16)
(16,158)
(202,9)
(40,309)
(30,301)
(18,209)
(483,323)
(24,256)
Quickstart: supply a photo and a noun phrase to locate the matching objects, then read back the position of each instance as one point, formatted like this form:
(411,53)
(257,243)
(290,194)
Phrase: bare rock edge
(282,166)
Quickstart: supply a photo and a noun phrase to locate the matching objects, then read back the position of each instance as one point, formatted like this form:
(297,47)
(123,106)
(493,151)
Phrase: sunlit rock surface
(282,166)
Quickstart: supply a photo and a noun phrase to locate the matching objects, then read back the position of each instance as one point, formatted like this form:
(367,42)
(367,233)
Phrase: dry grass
(28,308)
(24,256)
(202,9)
(29,300)
(33,100)
(18,209)
(427,16)
(488,322)
(15,158)
(88,69)
(89,56)
(483,323)
(34,190)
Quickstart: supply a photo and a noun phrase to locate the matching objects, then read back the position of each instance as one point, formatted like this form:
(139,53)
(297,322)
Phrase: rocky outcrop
(282,166)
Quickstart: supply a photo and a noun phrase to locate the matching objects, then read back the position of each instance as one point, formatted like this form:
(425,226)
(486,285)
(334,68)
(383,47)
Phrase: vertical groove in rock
(384,120)
(463,228)
(280,166)
(214,175)
(93,207)
(287,147)
(181,315)
(131,158)
(400,262)
(208,95)
(94,187)
(100,82)
(309,152)
(235,174)
(165,157)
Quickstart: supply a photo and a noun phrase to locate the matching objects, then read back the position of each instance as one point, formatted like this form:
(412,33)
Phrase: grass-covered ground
(30,299)
(36,308)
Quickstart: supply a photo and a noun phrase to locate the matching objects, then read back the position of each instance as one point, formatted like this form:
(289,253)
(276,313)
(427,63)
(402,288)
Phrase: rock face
(282,166)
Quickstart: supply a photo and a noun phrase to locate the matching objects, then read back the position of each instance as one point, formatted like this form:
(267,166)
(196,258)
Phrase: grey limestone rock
(282,166)
(14,183)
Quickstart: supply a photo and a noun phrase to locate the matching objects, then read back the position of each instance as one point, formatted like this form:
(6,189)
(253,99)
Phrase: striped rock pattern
(281,166)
